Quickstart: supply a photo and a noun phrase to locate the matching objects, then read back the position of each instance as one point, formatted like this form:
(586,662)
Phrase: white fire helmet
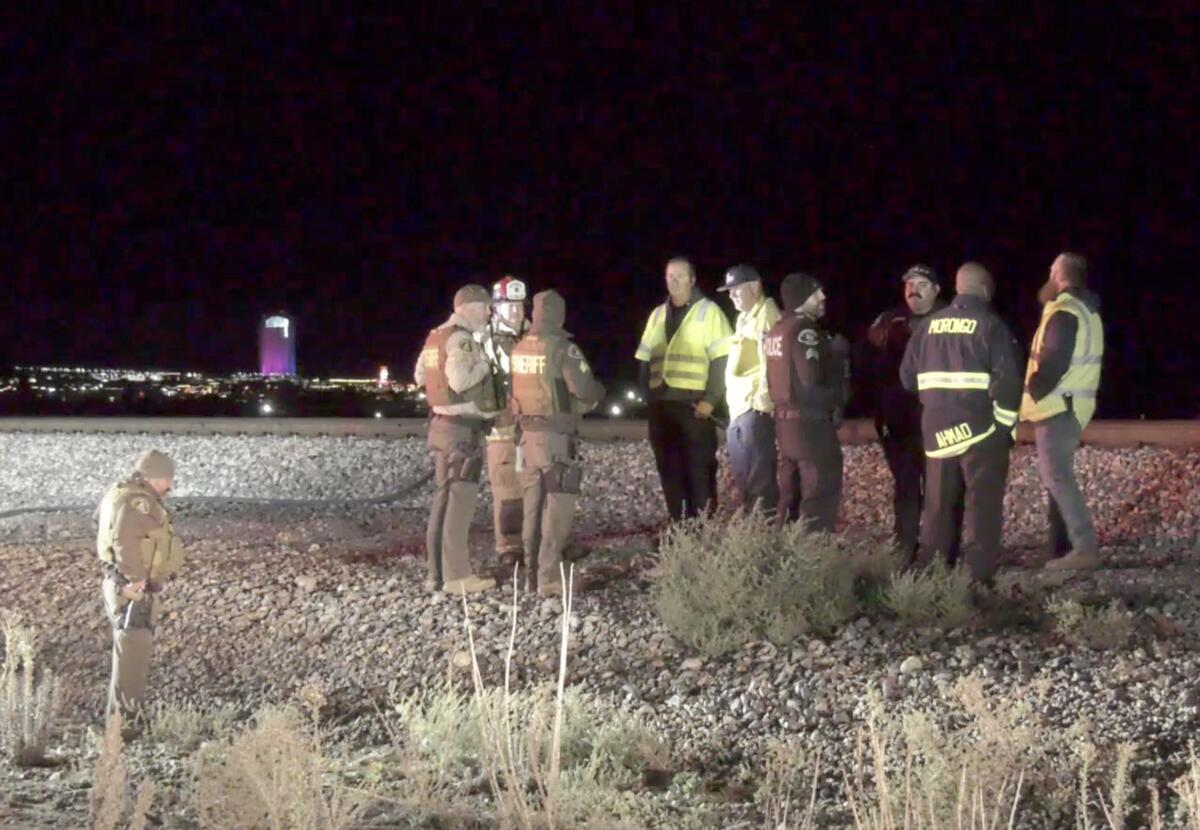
(508,290)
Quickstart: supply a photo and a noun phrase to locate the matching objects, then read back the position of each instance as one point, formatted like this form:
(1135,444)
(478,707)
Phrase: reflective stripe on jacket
(962,362)
(702,337)
(1081,381)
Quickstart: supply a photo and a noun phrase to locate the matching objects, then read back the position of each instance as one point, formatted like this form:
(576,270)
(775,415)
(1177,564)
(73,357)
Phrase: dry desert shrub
(272,776)
(720,584)
(554,758)
(31,694)
(787,796)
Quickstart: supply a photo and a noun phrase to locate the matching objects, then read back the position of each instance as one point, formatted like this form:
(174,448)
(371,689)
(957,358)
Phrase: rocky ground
(278,595)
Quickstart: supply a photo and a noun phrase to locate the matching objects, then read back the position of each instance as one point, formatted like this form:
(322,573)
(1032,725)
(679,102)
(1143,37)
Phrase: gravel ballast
(275,596)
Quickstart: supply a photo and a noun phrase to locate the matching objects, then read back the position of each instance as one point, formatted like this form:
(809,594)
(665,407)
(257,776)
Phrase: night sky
(169,176)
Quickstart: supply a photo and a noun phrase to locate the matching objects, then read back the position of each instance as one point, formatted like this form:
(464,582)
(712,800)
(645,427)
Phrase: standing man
(552,387)
(898,411)
(508,325)
(963,363)
(461,392)
(683,354)
(806,382)
(750,439)
(1060,398)
(138,550)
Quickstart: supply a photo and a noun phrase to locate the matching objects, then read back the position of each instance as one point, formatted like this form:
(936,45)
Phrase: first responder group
(942,380)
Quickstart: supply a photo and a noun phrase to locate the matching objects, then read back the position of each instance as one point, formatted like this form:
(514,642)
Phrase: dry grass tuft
(109,801)
(31,694)
(934,596)
(1103,629)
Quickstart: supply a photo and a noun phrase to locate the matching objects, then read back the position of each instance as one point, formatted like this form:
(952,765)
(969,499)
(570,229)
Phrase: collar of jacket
(970,301)
(692,299)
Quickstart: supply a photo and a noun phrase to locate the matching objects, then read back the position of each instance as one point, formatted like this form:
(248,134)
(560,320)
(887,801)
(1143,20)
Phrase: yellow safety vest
(746,372)
(1082,379)
(702,337)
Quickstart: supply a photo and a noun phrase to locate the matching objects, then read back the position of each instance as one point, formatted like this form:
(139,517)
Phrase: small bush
(273,775)
(185,726)
(1103,629)
(722,583)
(32,695)
(936,595)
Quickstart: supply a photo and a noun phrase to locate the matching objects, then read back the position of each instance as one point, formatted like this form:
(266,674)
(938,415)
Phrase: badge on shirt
(141,505)
(808,337)
(811,354)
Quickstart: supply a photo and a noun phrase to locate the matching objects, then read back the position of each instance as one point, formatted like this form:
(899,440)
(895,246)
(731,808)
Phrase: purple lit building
(277,345)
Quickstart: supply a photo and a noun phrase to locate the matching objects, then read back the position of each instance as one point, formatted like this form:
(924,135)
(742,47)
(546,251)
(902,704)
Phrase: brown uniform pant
(506,494)
(457,464)
(131,652)
(809,469)
(550,480)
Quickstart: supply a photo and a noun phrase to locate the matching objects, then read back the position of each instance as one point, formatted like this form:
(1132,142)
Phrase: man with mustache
(898,411)
(1059,400)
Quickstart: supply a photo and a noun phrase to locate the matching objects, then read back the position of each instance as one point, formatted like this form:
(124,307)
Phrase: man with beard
(1060,399)
(806,382)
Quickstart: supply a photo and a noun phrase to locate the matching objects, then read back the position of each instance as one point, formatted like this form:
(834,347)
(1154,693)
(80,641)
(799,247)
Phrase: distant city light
(266,408)
(378,414)
(631,395)
(615,410)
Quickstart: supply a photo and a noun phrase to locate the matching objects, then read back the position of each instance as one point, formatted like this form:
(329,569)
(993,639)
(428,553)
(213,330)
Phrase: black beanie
(796,289)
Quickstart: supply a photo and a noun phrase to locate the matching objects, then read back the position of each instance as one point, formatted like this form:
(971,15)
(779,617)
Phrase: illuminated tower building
(277,345)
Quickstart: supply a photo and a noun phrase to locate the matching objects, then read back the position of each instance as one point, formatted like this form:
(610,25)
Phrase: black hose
(386,498)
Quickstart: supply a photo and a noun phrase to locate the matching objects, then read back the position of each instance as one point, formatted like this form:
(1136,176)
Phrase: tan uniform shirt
(127,517)
(466,366)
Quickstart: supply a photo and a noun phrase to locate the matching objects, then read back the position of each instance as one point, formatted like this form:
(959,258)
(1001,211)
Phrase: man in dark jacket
(897,411)
(806,379)
(963,363)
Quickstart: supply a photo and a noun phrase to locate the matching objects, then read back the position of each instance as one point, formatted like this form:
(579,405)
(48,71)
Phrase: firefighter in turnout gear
(552,386)
(1060,398)
(750,439)
(806,379)
(682,354)
(138,550)
(897,411)
(508,325)
(962,362)
(461,392)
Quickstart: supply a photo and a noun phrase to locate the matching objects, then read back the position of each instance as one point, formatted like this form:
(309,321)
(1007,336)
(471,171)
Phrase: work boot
(550,589)
(432,585)
(509,558)
(1076,560)
(469,585)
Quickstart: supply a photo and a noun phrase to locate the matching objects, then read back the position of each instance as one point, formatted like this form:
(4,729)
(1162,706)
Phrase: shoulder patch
(141,504)
(808,337)
(574,352)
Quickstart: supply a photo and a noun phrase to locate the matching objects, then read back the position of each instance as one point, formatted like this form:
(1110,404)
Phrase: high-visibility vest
(1082,379)
(745,373)
(702,337)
